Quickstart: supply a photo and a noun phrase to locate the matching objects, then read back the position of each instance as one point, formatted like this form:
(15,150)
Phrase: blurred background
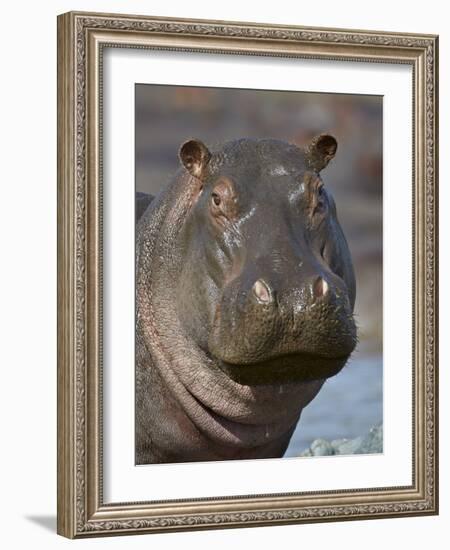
(350,403)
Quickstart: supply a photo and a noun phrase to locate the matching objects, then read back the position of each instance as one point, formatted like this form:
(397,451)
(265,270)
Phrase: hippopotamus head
(267,286)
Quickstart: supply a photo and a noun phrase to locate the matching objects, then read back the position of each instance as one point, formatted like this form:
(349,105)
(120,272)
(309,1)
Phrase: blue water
(347,406)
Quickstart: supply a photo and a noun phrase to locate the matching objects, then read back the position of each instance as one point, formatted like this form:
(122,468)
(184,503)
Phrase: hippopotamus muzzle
(276,331)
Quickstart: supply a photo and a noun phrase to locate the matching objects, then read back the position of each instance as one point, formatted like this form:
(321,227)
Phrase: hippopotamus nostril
(262,291)
(320,287)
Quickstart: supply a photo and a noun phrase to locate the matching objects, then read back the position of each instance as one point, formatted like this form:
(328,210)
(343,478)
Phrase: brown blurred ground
(168,115)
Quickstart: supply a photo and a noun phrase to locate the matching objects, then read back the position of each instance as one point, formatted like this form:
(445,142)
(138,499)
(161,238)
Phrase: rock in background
(368,444)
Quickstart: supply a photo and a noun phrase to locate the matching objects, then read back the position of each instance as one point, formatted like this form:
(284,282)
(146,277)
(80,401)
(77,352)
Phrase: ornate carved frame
(81,37)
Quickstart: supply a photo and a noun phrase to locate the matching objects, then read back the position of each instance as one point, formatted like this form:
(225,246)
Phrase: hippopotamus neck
(224,411)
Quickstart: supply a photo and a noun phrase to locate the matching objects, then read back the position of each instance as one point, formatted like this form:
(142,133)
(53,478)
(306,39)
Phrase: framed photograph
(247,288)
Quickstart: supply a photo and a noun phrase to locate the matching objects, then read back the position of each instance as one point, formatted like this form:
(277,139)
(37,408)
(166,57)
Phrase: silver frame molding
(81,39)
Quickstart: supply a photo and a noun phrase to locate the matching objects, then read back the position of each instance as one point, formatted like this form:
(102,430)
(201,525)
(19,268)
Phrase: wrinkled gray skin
(245,295)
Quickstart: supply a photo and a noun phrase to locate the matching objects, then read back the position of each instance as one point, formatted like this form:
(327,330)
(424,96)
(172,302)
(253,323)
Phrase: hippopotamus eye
(216,199)
(223,201)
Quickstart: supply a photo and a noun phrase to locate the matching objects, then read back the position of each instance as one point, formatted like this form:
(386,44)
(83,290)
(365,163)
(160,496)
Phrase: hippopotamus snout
(279,320)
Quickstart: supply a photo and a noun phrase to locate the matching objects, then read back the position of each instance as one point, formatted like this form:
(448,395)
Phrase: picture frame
(82,40)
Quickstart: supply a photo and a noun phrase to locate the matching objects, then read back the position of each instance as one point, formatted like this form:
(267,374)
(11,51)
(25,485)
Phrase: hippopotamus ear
(195,157)
(320,151)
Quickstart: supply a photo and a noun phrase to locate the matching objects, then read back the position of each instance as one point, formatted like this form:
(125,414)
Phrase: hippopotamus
(245,292)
